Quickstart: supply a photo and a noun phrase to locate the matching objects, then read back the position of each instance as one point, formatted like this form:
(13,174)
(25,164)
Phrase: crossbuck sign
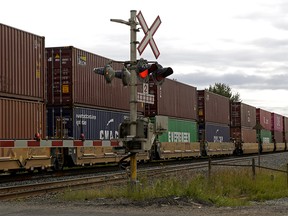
(149,32)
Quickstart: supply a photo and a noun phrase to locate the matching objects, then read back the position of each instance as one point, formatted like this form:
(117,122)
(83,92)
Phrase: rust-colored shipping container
(71,80)
(213,107)
(173,99)
(285,123)
(277,136)
(22,64)
(21,119)
(263,118)
(277,122)
(246,135)
(242,115)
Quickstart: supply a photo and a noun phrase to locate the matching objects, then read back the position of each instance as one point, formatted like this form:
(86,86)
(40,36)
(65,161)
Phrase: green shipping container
(180,131)
(265,136)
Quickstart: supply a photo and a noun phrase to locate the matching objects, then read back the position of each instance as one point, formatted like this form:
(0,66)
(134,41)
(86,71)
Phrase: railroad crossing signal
(109,74)
(149,33)
(144,70)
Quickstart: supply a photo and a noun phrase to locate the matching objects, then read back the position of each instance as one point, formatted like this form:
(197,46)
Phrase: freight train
(56,112)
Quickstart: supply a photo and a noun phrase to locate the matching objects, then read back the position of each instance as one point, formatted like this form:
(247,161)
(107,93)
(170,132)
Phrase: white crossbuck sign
(149,32)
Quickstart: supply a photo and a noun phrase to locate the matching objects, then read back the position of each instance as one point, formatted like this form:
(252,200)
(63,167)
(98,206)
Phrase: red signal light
(144,74)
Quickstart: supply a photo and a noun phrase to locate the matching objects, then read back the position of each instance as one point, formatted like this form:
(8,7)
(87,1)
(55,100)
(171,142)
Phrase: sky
(241,43)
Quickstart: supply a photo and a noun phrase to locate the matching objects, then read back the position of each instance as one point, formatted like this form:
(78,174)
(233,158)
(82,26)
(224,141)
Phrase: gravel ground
(168,206)
(159,208)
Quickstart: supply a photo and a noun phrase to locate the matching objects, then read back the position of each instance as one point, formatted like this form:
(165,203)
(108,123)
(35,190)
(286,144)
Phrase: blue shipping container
(95,124)
(214,132)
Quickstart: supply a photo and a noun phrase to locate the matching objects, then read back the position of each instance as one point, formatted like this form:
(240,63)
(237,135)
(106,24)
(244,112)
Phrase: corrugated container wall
(265,136)
(21,119)
(285,122)
(213,107)
(94,123)
(242,115)
(71,80)
(277,122)
(180,131)
(22,64)
(173,99)
(278,137)
(246,135)
(263,118)
(212,132)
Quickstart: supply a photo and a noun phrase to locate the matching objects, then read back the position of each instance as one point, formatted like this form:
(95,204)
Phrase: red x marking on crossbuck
(149,32)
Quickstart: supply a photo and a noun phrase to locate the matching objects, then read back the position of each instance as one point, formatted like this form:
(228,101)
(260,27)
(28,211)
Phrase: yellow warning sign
(57,56)
(65,88)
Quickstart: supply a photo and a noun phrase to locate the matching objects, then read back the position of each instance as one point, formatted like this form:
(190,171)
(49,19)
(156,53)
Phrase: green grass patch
(233,187)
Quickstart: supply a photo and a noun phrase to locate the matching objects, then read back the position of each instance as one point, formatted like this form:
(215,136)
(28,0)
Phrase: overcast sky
(242,43)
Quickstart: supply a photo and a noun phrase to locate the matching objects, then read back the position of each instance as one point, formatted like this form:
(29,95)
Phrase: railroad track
(21,191)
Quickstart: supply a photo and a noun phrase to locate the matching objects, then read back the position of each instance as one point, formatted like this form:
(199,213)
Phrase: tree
(225,90)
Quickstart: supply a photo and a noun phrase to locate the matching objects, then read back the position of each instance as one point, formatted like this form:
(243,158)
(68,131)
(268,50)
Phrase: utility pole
(133,87)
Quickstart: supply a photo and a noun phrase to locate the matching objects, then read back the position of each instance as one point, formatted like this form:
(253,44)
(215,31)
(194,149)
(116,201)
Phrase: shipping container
(180,131)
(246,135)
(263,118)
(22,64)
(242,115)
(277,122)
(213,132)
(95,124)
(277,137)
(213,108)
(71,80)
(172,99)
(21,119)
(265,136)
(285,124)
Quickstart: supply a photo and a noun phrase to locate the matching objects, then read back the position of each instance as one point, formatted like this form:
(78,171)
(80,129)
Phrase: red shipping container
(173,99)
(213,107)
(263,118)
(71,80)
(21,119)
(277,122)
(22,64)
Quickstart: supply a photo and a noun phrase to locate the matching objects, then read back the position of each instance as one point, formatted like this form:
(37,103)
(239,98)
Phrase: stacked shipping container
(178,101)
(71,80)
(22,83)
(277,128)
(243,122)
(93,123)
(74,92)
(263,118)
(213,127)
(285,129)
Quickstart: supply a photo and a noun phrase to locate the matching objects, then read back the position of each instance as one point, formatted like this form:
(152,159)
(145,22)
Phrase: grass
(233,187)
